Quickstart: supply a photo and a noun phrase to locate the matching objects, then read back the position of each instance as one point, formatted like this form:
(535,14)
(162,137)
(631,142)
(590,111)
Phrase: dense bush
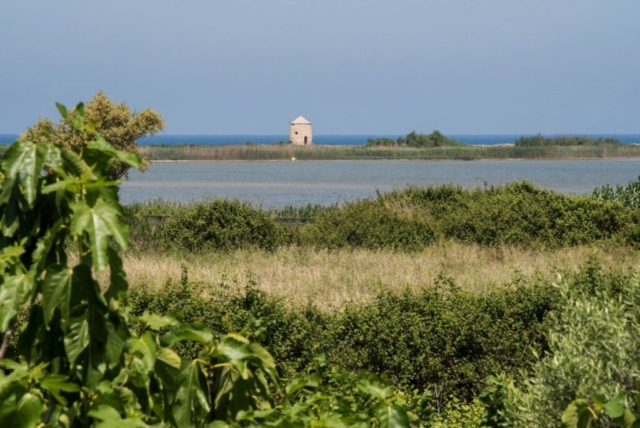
(369,224)
(221,224)
(593,352)
(414,139)
(540,141)
(628,195)
(518,214)
(440,339)
(409,219)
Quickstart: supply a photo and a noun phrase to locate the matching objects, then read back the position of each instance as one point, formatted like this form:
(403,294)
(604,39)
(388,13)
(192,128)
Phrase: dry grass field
(329,279)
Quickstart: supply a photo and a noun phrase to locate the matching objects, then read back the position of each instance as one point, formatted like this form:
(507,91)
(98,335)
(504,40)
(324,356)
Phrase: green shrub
(593,351)
(408,219)
(518,214)
(221,224)
(369,224)
(414,139)
(628,195)
(540,141)
(418,340)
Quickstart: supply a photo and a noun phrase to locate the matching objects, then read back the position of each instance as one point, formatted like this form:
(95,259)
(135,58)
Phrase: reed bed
(330,279)
(287,152)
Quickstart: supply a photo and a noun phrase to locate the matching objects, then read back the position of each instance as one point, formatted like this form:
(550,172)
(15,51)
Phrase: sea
(333,140)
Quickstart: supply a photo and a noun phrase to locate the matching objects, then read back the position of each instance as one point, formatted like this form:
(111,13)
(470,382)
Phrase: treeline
(413,139)
(519,214)
(540,141)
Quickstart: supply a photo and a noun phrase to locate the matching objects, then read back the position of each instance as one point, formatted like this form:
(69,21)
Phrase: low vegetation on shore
(414,139)
(541,141)
(404,220)
(199,153)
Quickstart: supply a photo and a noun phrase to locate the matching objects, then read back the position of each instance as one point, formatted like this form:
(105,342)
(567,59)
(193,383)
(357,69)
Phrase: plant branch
(7,339)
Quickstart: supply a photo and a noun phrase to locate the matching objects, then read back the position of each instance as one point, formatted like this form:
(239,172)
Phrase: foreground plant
(79,363)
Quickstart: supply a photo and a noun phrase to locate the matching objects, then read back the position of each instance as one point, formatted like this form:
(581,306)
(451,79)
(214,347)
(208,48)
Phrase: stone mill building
(300,132)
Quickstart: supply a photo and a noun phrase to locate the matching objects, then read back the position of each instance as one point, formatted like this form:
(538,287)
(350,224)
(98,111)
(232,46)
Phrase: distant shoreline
(276,153)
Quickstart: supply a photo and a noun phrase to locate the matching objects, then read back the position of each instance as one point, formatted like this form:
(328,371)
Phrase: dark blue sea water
(333,140)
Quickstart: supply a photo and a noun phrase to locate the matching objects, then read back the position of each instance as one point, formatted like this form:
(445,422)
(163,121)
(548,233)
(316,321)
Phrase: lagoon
(276,184)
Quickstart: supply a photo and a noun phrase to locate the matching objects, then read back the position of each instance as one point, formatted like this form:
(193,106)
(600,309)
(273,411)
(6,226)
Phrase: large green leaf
(167,368)
(196,332)
(73,164)
(117,275)
(578,414)
(146,348)
(101,145)
(116,341)
(391,416)
(99,222)
(27,159)
(56,291)
(108,417)
(157,322)
(188,395)
(615,407)
(76,339)
(14,292)
(57,383)
(28,412)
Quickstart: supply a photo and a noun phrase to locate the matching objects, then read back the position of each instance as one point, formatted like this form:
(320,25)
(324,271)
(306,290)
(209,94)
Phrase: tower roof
(301,120)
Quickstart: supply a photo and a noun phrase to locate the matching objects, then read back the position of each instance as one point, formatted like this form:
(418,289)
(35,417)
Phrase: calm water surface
(275,184)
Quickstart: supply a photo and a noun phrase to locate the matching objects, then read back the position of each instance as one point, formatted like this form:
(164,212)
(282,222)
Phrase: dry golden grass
(330,279)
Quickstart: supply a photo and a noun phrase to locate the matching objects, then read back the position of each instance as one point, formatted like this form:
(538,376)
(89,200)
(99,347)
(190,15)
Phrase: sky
(349,66)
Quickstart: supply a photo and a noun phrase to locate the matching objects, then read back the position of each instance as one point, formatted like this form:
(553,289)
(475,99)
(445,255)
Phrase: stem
(7,338)
(50,410)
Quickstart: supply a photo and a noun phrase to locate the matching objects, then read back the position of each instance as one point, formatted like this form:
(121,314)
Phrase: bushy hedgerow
(593,351)
(518,214)
(369,224)
(435,338)
(569,140)
(409,219)
(419,340)
(221,224)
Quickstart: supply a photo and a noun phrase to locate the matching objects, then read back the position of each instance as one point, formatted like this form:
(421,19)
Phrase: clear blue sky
(349,66)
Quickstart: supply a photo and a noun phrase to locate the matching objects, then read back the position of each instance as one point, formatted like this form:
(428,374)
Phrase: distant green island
(413,146)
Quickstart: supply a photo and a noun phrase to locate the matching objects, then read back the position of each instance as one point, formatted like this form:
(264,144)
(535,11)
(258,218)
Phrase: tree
(114,121)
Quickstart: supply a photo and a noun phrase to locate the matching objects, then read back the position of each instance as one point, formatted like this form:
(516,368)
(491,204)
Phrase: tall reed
(288,152)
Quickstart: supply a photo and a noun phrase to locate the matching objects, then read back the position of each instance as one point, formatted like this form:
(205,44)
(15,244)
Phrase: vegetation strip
(199,153)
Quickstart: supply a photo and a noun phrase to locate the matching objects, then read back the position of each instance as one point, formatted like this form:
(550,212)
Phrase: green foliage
(115,122)
(444,339)
(78,360)
(221,224)
(593,352)
(459,414)
(414,139)
(582,413)
(540,141)
(79,363)
(409,219)
(369,224)
(381,142)
(628,195)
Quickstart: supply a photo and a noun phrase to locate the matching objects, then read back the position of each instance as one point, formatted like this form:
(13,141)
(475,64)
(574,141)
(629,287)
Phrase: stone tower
(300,132)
